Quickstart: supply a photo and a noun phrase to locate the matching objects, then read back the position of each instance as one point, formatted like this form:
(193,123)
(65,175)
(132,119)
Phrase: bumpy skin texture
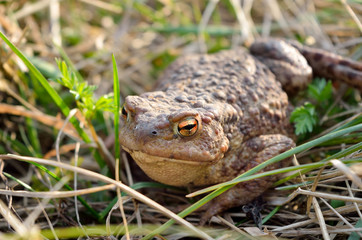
(235,110)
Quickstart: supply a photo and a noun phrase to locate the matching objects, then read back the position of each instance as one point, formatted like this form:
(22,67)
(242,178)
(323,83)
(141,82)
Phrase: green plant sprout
(83,93)
(306,117)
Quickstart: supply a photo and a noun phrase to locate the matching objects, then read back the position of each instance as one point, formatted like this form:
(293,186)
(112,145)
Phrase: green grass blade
(25,139)
(271,214)
(21,183)
(345,152)
(355,121)
(16,145)
(33,136)
(31,129)
(117,149)
(338,155)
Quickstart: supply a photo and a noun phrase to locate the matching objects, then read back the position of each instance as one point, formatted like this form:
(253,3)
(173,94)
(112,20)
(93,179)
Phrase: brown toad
(213,117)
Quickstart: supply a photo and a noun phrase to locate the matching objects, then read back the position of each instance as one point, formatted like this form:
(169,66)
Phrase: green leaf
(105,103)
(320,90)
(304,118)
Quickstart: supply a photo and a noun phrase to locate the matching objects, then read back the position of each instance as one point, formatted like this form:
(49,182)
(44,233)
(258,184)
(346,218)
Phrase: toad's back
(234,83)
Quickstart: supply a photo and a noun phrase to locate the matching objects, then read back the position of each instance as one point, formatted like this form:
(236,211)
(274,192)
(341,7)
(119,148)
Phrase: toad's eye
(187,127)
(124,112)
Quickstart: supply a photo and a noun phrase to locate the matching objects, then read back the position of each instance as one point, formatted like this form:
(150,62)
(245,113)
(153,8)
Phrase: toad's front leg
(252,152)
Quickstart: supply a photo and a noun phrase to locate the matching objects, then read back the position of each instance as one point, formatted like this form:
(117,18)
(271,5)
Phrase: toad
(213,117)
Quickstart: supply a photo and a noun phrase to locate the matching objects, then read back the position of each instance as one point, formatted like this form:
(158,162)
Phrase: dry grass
(145,37)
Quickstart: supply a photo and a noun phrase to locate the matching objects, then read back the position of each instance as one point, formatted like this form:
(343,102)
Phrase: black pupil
(124,112)
(189,126)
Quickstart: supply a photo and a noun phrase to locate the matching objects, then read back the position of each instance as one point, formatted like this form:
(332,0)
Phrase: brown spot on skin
(169,137)
(317,56)
(210,114)
(219,95)
(198,73)
(254,96)
(223,148)
(206,119)
(351,75)
(264,108)
(278,105)
(181,98)
(330,68)
(344,62)
(231,99)
(277,117)
(206,153)
(247,80)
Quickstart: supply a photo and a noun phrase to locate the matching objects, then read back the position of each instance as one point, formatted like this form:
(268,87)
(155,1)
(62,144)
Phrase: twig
(204,20)
(14,222)
(75,182)
(55,22)
(323,195)
(55,122)
(294,225)
(56,194)
(244,23)
(120,201)
(347,172)
(320,218)
(30,9)
(59,135)
(104,5)
(354,204)
(352,14)
(67,148)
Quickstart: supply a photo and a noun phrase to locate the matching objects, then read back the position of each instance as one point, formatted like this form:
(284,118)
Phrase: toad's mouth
(175,172)
(143,156)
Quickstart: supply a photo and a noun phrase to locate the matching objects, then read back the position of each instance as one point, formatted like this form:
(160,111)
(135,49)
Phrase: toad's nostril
(154,132)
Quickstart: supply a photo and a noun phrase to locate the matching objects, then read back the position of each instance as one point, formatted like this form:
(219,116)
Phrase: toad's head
(173,142)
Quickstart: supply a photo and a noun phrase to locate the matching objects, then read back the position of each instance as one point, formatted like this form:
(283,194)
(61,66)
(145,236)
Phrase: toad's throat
(184,172)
